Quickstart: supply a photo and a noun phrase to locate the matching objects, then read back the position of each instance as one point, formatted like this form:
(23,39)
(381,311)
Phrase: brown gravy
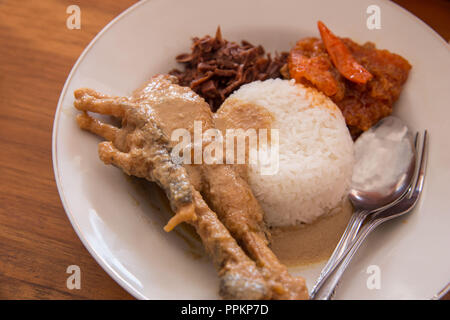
(294,246)
(307,244)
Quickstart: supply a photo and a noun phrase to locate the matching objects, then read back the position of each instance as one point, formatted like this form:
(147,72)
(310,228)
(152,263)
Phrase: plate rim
(97,257)
(56,171)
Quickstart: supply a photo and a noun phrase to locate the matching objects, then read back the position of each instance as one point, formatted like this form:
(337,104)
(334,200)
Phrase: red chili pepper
(342,57)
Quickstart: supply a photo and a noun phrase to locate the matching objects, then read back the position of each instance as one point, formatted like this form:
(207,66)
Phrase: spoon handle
(349,234)
(329,283)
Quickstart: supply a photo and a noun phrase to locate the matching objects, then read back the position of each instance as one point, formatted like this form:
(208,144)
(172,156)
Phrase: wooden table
(37,52)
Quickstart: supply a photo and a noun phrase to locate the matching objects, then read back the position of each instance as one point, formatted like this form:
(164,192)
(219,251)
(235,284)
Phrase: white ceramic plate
(121,225)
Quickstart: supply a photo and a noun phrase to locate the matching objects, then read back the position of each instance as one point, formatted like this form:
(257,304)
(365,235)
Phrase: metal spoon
(401,207)
(385,162)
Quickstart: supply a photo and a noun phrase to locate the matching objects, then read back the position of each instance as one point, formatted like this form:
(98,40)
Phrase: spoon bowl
(385,161)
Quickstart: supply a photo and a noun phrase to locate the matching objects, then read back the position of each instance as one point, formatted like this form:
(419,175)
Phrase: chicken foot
(245,223)
(238,210)
(140,148)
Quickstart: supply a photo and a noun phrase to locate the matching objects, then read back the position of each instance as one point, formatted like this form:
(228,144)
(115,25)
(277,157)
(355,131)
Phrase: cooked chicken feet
(168,107)
(240,278)
(141,149)
(245,223)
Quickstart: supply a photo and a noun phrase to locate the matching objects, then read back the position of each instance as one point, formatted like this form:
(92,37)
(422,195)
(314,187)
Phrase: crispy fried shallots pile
(216,67)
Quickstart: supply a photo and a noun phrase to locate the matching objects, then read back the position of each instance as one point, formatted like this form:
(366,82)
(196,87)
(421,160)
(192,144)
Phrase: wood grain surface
(37,52)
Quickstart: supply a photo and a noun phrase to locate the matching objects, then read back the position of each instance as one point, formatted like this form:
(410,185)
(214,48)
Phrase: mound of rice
(315,152)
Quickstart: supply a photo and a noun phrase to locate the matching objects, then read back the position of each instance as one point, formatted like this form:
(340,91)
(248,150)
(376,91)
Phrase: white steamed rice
(315,152)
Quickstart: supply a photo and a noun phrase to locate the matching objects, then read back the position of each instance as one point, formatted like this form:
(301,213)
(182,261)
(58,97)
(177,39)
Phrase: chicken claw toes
(88,123)
(109,154)
(185,214)
(89,100)
(79,93)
